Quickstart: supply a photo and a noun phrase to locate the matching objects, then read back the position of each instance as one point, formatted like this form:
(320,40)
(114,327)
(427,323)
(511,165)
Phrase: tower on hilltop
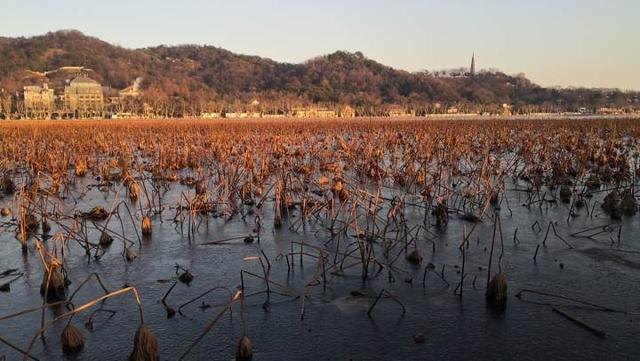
(473,64)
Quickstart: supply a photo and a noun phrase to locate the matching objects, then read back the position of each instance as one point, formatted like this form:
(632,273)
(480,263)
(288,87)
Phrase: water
(335,324)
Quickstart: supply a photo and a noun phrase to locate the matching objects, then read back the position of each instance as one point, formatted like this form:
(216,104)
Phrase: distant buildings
(609,111)
(236,115)
(297,112)
(39,101)
(313,113)
(347,112)
(397,111)
(83,98)
(210,115)
(132,91)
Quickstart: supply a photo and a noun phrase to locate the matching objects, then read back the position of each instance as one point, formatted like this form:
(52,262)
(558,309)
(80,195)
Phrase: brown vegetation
(354,179)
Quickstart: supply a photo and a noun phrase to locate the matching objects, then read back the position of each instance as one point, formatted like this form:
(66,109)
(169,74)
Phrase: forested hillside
(206,77)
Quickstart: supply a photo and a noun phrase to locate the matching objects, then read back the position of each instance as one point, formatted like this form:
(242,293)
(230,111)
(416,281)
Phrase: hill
(196,78)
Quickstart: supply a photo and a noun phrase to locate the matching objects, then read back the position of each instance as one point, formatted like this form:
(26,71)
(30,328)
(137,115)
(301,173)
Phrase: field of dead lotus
(192,239)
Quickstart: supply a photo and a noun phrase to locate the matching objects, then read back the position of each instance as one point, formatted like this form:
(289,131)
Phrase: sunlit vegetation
(363,183)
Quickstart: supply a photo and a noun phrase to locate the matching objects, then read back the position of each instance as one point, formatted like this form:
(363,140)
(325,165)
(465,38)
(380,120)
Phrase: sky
(591,43)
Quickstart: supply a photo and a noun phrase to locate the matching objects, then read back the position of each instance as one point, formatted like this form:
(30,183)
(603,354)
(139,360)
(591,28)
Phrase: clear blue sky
(554,42)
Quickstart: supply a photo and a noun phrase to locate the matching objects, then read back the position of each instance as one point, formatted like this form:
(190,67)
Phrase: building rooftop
(83,80)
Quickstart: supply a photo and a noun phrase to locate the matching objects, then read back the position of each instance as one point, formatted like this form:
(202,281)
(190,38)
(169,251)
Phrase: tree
(5,105)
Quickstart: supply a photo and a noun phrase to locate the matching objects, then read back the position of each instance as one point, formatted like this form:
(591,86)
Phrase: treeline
(189,79)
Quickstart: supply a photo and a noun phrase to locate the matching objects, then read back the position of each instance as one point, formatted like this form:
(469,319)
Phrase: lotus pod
(415,258)
(146,226)
(56,288)
(497,292)
(133,192)
(145,345)
(565,194)
(245,352)
(131,255)
(628,204)
(105,239)
(72,339)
